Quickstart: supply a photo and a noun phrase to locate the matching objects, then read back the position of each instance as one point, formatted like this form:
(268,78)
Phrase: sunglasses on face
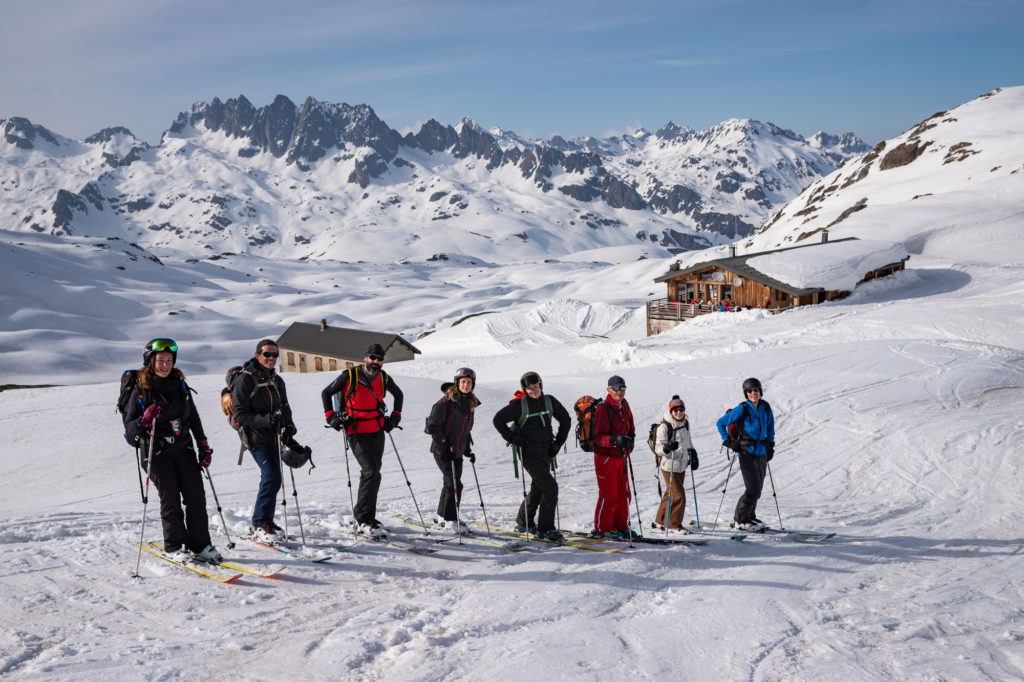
(158,345)
(679,409)
(268,354)
(375,357)
(617,389)
(753,390)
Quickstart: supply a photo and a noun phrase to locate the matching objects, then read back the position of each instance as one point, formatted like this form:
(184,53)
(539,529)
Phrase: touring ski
(221,575)
(510,545)
(315,557)
(794,535)
(571,540)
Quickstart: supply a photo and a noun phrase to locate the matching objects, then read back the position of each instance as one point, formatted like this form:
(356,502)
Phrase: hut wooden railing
(664,309)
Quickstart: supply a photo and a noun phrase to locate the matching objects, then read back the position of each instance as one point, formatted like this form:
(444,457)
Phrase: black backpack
(129,379)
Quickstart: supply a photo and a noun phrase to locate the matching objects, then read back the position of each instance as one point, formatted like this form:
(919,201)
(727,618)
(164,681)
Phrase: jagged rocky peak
(22,133)
(299,132)
(108,134)
(672,130)
(844,143)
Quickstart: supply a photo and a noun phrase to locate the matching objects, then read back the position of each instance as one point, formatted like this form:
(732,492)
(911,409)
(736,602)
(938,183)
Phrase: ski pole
(770,478)
(732,459)
(693,482)
(639,523)
(456,500)
(657,473)
(223,523)
(422,522)
(554,474)
(145,498)
(480,493)
(298,512)
(348,475)
(284,490)
(138,470)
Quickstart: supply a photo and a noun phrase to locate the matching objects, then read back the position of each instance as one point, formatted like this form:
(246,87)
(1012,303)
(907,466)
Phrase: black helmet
(465,373)
(159,346)
(529,379)
(295,455)
(752,383)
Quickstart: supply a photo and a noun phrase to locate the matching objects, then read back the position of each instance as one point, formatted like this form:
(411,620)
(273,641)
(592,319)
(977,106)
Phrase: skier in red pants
(614,433)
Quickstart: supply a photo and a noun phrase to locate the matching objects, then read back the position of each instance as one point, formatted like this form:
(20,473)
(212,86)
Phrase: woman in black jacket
(161,406)
(449,425)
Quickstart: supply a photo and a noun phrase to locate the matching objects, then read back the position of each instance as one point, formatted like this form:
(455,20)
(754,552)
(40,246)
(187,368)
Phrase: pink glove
(205,453)
(151,414)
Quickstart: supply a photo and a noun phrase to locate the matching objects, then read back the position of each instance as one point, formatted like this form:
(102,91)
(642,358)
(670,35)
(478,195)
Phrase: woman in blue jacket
(754,445)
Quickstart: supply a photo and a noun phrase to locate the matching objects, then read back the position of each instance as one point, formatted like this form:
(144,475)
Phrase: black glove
(289,430)
(471,456)
(624,443)
(338,420)
(517,441)
(391,422)
(732,445)
(694,462)
(770,447)
(671,446)
(276,419)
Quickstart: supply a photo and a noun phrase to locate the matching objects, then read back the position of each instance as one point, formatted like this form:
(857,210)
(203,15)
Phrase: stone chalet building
(320,348)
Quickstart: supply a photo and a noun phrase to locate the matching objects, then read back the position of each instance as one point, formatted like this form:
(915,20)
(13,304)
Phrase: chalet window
(689,292)
(332,364)
(726,292)
(291,359)
(712,291)
(319,363)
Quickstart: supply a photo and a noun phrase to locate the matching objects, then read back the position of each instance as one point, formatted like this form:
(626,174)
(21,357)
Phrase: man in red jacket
(614,433)
(360,392)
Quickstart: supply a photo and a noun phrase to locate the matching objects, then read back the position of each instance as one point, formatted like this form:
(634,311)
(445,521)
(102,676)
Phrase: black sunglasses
(270,355)
(375,357)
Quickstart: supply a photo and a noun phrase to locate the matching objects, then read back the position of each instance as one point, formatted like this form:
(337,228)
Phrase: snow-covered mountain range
(323,180)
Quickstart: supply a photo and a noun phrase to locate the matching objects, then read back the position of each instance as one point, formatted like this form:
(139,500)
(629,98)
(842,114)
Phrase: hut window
(291,359)
(332,364)
(319,363)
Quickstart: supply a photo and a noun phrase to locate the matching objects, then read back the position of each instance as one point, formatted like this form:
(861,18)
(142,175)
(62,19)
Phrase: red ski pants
(612,511)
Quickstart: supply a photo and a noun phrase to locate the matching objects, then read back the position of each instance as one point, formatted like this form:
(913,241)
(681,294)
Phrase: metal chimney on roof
(824,236)
(732,250)
(323,325)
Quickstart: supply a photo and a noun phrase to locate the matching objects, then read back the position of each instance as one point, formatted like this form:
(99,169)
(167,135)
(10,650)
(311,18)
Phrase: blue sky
(538,68)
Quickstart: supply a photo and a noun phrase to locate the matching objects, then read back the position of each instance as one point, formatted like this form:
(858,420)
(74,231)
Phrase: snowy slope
(898,415)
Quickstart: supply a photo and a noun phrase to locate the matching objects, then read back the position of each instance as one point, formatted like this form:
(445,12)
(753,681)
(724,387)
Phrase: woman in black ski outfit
(161,404)
(449,425)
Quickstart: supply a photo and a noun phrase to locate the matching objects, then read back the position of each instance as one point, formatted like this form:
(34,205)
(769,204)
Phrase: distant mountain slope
(323,180)
(957,168)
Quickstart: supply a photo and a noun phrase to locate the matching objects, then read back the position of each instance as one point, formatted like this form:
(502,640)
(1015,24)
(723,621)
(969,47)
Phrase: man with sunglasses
(754,446)
(361,412)
(259,403)
(531,413)
(614,435)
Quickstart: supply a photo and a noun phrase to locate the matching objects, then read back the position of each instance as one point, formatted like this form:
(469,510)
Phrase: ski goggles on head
(160,345)
(530,379)
(466,373)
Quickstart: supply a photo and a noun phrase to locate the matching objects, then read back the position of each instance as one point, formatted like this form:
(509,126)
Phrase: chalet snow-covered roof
(336,341)
(800,270)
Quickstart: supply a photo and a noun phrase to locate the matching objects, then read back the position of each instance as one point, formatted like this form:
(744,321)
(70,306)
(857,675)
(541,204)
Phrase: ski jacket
(362,397)
(611,419)
(672,429)
(450,423)
(758,426)
(535,431)
(256,394)
(179,420)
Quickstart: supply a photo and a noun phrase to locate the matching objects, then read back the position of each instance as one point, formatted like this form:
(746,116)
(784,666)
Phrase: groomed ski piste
(898,421)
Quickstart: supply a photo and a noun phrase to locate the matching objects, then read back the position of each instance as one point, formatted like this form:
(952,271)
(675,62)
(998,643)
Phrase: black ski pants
(543,496)
(754,468)
(368,449)
(178,479)
(451,491)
